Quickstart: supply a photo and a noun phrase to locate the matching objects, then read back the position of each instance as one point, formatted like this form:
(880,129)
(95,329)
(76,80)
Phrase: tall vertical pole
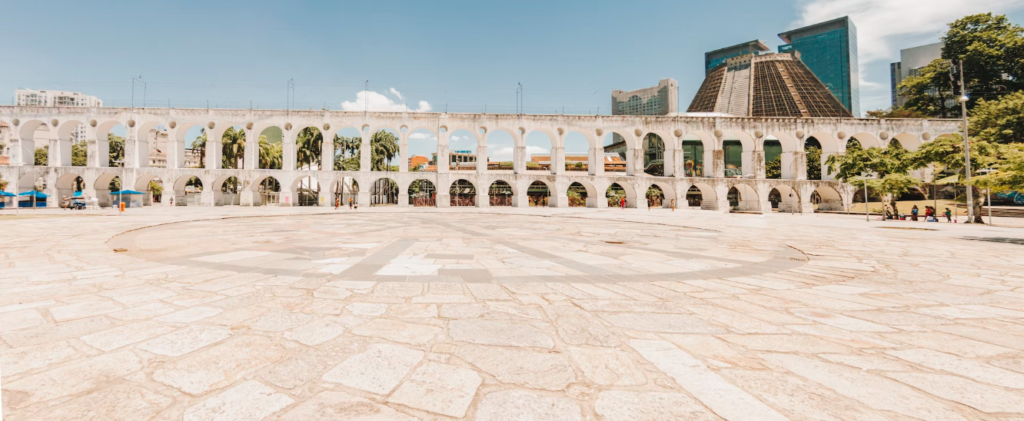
(967,147)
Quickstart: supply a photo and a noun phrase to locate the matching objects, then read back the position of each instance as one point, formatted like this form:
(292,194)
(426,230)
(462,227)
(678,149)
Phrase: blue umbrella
(78,194)
(126,192)
(36,194)
(6,194)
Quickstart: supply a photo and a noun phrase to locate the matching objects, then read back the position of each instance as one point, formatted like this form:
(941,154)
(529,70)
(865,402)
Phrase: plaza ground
(506,313)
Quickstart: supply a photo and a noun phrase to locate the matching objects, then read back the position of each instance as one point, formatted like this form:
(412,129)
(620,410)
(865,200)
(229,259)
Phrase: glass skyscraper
(714,58)
(829,49)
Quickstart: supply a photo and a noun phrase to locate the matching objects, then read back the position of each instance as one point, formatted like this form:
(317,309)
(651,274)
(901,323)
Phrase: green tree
(896,112)
(115,150)
(42,154)
(199,146)
(383,147)
(79,154)
(309,147)
(929,92)
(773,168)
(346,153)
(998,121)
(813,157)
(992,52)
(271,154)
(233,148)
(1009,172)
(889,164)
(947,152)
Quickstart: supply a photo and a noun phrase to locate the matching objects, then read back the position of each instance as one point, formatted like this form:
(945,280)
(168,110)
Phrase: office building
(767,85)
(662,99)
(43,98)
(829,49)
(714,58)
(911,60)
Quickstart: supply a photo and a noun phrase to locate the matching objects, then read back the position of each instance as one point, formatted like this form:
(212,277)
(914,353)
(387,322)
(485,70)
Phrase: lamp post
(967,147)
(867,209)
(120,195)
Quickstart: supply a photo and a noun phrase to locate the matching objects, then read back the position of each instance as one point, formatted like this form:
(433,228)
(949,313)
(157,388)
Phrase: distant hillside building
(662,99)
(768,85)
(911,61)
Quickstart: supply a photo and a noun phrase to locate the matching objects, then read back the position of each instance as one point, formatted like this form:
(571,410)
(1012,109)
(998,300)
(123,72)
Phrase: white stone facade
(29,122)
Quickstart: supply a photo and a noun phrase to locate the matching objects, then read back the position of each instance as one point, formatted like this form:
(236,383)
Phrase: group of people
(337,203)
(930,214)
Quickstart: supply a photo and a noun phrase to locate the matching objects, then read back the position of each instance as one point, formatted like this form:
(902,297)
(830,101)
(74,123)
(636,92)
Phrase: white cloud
(421,135)
(396,94)
(373,101)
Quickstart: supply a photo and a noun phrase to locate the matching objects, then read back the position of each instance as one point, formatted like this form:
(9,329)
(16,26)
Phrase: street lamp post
(867,210)
(967,147)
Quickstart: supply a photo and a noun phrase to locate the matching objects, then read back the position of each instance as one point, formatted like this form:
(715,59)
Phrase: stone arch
(421,146)
(829,199)
(188,192)
(704,197)
(867,140)
(784,198)
(308,147)
(653,145)
(577,152)
(227,189)
(397,155)
(265,190)
(582,194)
(462,192)
(503,148)
(347,152)
(422,193)
(743,198)
(787,140)
(463,146)
(66,136)
(668,193)
(538,193)
(67,184)
(539,147)
(696,154)
(501,193)
(384,191)
(306,190)
(142,184)
(618,148)
(624,190)
(909,141)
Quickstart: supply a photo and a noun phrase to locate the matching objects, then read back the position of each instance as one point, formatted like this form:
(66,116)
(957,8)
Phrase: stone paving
(507,314)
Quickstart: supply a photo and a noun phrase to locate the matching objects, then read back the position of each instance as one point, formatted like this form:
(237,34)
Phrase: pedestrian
(949,216)
(929,213)
(63,203)
(623,203)
(337,203)
(350,203)
(673,205)
(888,212)
(913,213)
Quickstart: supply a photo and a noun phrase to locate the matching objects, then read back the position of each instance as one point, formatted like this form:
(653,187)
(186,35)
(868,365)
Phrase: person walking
(913,213)
(623,203)
(949,216)
(350,203)
(673,205)
(337,203)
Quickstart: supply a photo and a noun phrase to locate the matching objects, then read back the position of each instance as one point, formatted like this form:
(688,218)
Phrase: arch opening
(654,155)
(385,150)
(812,149)
(501,151)
(693,156)
(309,146)
(578,195)
(462,193)
(233,149)
(384,192)
(621,196)
(271,156)
(772,158)
(577,152)
(422,146)
(784,199)
(462,148)
(500,193)
(307,191)
(733,158)
(655,196)
(616,149)
(540,150)
(345,191)
(422,193)
(538,194)
(826,198)
(743,198)
(347,144)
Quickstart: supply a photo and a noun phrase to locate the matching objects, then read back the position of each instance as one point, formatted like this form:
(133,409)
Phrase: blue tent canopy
(126,192)
(6,194)
(37,194)
(78,194)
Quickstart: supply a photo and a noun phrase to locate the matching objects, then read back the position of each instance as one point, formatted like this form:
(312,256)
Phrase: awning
(6,194)
(37,194)
(122,192)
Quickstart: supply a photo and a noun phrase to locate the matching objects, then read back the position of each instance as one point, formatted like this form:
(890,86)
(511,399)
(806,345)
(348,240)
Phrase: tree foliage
(383,147)
(116,150)
(999,121)
(896,112)
(929,93)
(79,154)
(773,168)
(42,154)
(813,163)
(989,47)
(1008,174)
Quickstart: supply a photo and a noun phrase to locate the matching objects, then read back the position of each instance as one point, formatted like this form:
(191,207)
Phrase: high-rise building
(766,85)
(713,58)
(911,61)
(42,98)
(829,49)
(662,99)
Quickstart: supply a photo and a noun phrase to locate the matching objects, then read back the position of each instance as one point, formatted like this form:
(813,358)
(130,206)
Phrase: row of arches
(417,148)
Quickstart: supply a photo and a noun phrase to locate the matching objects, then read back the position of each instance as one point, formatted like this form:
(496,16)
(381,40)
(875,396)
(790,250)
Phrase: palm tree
(384,146)
(200,145)
(309,146)
(233,148)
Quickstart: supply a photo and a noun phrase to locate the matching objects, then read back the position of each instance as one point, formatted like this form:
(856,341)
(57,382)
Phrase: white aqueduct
(34,125)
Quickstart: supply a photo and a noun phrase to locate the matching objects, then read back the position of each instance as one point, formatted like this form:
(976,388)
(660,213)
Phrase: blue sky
(459,56)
